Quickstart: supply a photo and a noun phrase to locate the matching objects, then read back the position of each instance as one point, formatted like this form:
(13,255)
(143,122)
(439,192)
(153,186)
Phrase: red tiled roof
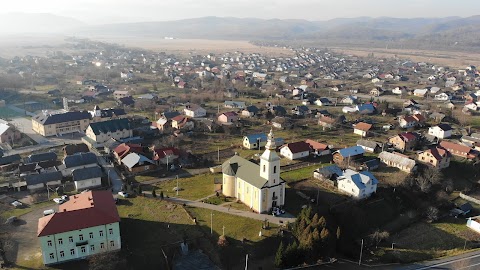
(316,145)
(408,136)
(363,126)
(163,152)
(230,113)
(298,147)
(419,117)
(456,149)
(178,118)
(438,153)
(85,210)
(125,148)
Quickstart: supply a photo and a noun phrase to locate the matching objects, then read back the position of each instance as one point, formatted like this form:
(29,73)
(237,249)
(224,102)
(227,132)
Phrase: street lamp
(361,252)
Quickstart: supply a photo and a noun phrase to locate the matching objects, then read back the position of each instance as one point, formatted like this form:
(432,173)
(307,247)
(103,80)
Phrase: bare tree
(432,213)
(378,236)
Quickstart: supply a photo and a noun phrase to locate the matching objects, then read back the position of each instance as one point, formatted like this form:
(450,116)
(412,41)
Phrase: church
(258,186)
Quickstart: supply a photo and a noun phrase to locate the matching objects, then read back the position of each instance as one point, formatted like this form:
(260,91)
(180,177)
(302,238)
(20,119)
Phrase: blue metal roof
(366,107)
(263,138)
(351,151)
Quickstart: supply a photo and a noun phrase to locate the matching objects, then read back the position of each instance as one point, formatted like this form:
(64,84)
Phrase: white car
(59,200)
(123,194)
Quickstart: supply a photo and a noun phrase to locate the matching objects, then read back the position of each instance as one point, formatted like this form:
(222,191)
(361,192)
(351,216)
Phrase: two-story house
(85,225)
(441,131)
(405,141)
(100,132)
(295,150)
(228,117)
(194,111)
(435,157)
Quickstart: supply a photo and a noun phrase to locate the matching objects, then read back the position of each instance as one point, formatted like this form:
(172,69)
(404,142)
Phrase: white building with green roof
(258,186)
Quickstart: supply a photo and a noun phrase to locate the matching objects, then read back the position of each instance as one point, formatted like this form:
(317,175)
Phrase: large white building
(442,131)
(359,185)
(258,186)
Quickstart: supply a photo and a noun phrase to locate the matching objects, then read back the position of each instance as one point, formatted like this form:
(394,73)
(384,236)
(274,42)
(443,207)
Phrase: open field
(192,188)
(452,59)
(35,45)
(196,46)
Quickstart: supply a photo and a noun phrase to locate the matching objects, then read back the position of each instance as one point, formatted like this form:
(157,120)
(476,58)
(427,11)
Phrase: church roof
(245,170)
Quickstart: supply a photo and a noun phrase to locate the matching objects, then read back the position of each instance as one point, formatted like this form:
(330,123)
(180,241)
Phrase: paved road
(262,217)
(467,261)
(115,179)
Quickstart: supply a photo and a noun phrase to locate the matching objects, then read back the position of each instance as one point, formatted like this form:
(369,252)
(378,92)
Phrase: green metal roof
(246,170)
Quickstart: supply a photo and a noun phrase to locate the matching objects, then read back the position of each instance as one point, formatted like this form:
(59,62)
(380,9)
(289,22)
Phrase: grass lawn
(150,225)
(300,174)
(238,206)
(25,209)
(7,113)
(237,228)
(193,188)
(143,178)
(218,200)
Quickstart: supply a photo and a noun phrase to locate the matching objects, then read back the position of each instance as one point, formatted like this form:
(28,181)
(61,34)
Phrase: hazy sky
(104,11)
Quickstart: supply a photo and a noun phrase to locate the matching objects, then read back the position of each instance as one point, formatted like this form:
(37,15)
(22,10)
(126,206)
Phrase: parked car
(48,212)
(123,194)
(11,220)
(58,200)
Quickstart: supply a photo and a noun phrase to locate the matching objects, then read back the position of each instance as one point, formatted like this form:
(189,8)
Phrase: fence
(468,198)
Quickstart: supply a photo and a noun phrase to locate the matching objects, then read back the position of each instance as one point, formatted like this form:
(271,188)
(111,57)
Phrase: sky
(114,11)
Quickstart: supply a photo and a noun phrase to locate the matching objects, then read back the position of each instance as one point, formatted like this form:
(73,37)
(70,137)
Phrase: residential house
(87,178)
(181,122)
(59,124)
(100,132)
(99,115)
(118,94)
(124,149)
(441,131)
(257,141)
(35,158)
(258,186)
(458,150)
(228,117)
(168,155)
(349,100)
(295,150)
(435,157)
(420,92)
(327,122)
(362,129)
(77,161)
(411,121)
(85,225)
(301,110)
(40,181)
(9,134)
(126,101)
(9,163)
(137,163)
(234,104)
(319,149)
(397,160)
(376,92)
(328,174)
(442,97)
(250,111)
(279,111)
(370,146)
(345,155)
(323,102)
(194,111)
(405,141)
(281,122)
(71,149)
(359,185)
(474,223)
(367,108)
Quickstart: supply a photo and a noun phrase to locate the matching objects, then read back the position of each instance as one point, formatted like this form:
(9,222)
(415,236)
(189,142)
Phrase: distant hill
(21,23)
(449,32)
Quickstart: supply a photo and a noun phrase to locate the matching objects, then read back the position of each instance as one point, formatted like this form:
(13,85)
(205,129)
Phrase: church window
(274,169)
(274,181)
(264,168)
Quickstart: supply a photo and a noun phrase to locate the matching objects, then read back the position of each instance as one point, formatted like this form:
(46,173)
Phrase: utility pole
(177,185)
(361,251)
(246,262)
(223,230)
(211,222)
(318,194)
(218,154)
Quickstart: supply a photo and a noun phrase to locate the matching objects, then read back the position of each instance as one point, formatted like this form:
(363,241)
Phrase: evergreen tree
(154,193)
(322,222)
(324,234)
(338,233)
(279,255)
